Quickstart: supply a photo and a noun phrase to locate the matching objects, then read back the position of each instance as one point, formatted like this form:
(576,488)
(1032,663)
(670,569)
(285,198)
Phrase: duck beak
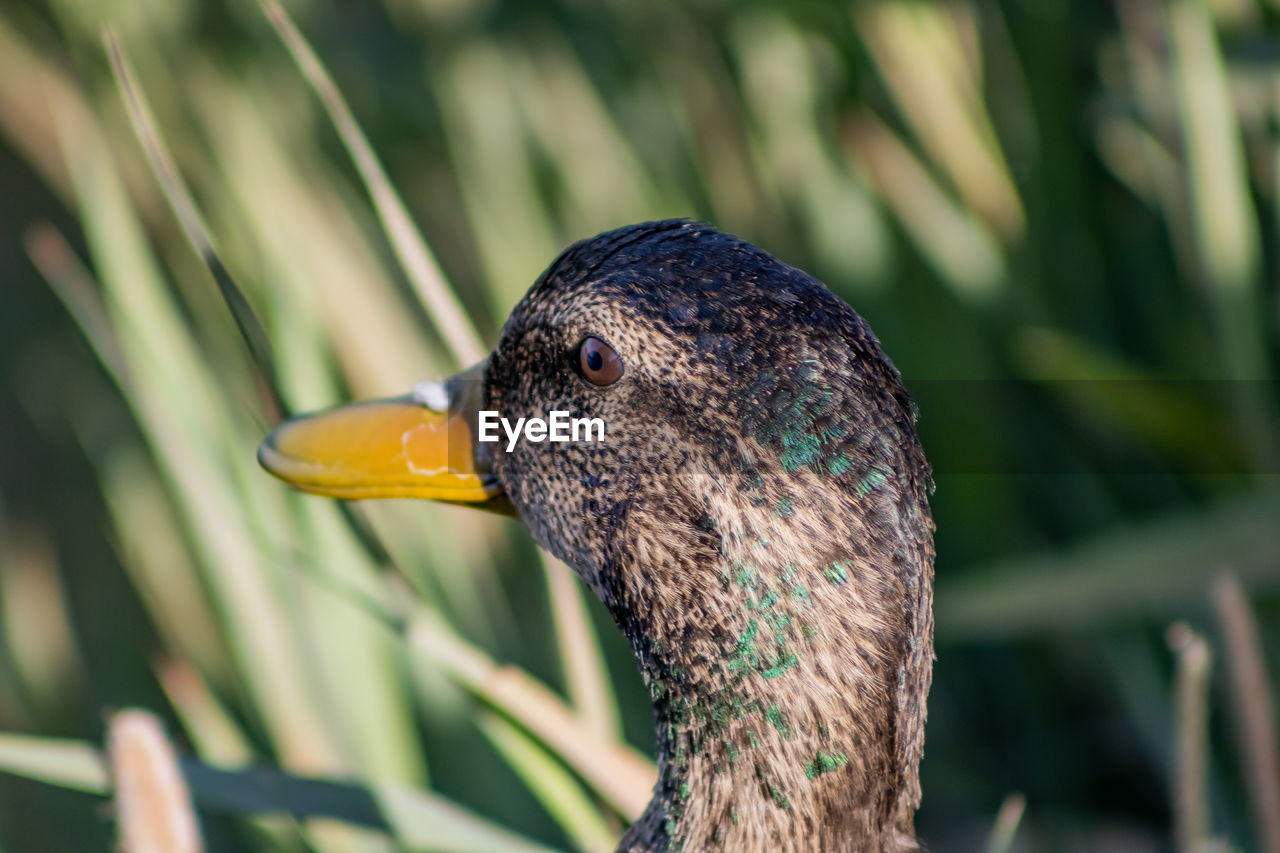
(403,447)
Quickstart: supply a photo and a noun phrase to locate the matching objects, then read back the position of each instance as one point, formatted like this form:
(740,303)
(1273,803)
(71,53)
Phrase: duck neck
(788,699)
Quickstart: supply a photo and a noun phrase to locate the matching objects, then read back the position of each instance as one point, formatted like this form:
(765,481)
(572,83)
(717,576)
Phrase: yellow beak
(394,448)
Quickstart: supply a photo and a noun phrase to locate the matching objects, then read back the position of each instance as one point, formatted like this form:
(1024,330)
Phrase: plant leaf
(417,820)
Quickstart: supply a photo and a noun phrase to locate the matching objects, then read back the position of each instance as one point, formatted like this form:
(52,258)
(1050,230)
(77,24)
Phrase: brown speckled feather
(756,521)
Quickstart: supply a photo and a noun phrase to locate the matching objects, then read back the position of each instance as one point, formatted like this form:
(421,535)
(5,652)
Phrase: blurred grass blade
(419,264)
(153,807)
(74,286)
(694,82)
(1190,791)
(497,168)
(917,50)
(219,741)
(29,82)
(368,697)
(1109,577)
(416,820)
(159,565)
(358,696)
(37,630)
(1006,824)
(623,777)
(965,254)
(598,166)
(1226,230)
(184,208)
(453,574)
(1254,709)
(1114,399)
(560,794)
(782,86)
(176,401)
(216,736)
(289,205)
(1226,227)
(590,690)
(1139,161)
(66,763)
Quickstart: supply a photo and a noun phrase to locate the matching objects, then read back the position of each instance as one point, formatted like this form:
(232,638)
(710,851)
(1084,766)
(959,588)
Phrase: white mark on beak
(432,395)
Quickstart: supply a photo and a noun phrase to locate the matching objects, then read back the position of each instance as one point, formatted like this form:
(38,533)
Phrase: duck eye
(599,363)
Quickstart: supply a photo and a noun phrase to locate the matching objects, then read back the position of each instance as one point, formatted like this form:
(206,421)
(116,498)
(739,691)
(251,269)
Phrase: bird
(755,518)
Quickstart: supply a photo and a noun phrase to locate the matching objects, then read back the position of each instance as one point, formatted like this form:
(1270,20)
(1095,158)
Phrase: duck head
(755,518)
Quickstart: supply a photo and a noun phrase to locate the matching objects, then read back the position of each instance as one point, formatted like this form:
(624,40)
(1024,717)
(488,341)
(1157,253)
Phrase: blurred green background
(1060,218)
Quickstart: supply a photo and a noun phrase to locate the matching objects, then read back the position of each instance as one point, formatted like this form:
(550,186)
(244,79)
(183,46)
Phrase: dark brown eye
(599,363)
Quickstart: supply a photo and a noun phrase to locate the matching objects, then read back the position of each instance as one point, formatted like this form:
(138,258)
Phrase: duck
(754,514)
